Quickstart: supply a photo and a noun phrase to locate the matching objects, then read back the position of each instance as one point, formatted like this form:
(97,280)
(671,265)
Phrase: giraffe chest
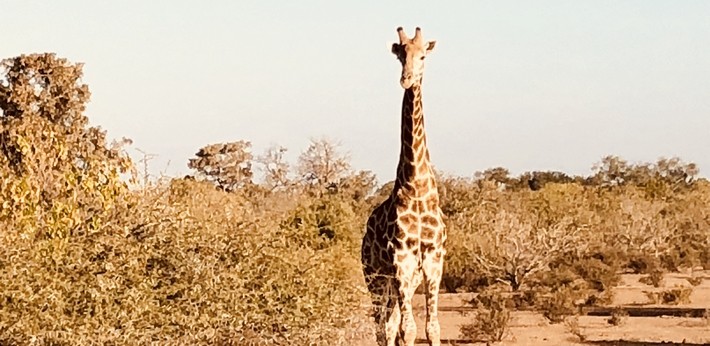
(417,218)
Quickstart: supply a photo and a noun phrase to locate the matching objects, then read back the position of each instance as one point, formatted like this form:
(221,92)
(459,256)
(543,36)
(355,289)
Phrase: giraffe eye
(423,57)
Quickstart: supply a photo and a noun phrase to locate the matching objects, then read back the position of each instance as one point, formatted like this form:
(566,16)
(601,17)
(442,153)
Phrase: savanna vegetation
(251,249)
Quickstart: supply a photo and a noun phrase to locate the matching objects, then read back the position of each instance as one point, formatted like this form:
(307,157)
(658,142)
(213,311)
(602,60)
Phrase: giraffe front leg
(407,277)
(393,316)
(432,265)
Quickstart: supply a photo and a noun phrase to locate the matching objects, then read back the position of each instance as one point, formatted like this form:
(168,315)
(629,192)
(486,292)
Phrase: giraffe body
(404,241)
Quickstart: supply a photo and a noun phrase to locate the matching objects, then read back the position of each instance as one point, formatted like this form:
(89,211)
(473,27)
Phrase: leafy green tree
(59,174)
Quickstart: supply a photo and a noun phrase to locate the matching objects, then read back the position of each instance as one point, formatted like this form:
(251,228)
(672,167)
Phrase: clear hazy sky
(527,85)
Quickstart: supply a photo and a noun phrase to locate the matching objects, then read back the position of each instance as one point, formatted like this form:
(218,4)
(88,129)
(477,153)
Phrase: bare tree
(515,249)
(322,165)
(275,168)
(611,170)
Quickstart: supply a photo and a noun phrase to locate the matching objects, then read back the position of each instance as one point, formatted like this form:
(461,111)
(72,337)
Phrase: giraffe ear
(430,46)
(396,48)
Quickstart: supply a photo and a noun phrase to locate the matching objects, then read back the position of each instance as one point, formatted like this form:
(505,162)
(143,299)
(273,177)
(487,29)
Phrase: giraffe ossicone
(405,236)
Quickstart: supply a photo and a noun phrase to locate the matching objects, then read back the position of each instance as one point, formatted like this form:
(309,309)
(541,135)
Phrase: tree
(358,186)
(275,168)
(676,172)
(322,165)
(499,175)
(59,174)
(514,249)
(611,171)
(227,165)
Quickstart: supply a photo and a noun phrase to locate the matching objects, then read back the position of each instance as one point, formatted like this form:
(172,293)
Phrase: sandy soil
(531,328)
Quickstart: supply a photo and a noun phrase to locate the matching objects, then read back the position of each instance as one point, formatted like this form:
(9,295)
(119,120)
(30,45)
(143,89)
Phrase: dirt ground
(531,328)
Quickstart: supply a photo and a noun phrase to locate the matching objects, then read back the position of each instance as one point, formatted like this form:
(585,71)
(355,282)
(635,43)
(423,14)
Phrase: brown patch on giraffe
(418,185)
(427,247)
(423,170)
(407,219)
(418,134)
(432,200)
(411,242)
(440,238)
(437,257)
(417,206)
(385,255)
(400,232)
(427,233)
(431,221)
(420,154)
(397,245)
(407,153)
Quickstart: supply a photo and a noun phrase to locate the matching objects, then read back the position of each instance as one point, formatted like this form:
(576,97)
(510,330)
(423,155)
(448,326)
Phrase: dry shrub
(497,239)
(561,303)
(695,280)
(204,269)
(640,218)
(572,325)
(654,278)
(86,261)
(673,296)
(618,316)
(492,318)
(643,263)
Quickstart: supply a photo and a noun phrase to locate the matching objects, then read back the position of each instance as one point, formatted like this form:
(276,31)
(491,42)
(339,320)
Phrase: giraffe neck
(414,170)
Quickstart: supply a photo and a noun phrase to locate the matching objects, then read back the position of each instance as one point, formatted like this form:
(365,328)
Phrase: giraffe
(405,235)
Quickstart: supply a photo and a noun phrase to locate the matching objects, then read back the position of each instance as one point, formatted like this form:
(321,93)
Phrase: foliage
(59,174)
(654,278)
(562,303)
(86,261)
(275,168)
(618,316)
(572,325)
(673,296)
(322,164)
(587,231)
(227,165)
(492,318)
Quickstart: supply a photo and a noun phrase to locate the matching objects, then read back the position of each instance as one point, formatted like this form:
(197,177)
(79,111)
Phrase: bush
(198,270)
(674,296)
(562,303)
(618,316)
(84,260)
(492,318)
(654,278)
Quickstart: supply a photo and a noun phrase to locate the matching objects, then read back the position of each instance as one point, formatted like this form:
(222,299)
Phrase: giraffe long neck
(414,170)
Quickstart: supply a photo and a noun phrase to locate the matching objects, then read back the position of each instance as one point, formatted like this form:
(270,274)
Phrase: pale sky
(527,85)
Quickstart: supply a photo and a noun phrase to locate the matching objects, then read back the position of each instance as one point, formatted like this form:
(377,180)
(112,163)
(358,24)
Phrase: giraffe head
(411,52)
